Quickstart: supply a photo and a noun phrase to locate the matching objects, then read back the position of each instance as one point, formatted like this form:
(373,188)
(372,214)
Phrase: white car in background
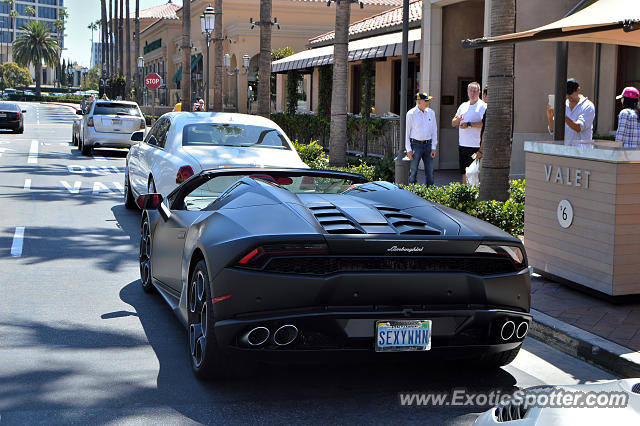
(109,124)
(614,402)
(181,144)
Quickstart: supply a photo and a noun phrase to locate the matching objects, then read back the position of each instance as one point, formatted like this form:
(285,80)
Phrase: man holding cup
(579,114)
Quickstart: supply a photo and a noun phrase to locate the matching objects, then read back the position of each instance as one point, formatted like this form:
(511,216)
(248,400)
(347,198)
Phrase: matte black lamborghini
(291,264)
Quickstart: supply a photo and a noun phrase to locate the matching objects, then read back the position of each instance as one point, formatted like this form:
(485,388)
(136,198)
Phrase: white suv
(109,124)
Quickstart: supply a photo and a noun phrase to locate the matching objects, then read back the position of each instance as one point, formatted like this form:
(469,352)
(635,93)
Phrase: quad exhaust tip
(523,327)
(256,336)
(507,330)
(285,335)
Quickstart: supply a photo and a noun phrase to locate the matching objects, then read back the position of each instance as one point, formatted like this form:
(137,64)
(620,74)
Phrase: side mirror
(79,112)
(137,136)
(154,202)
(149,201)
(24,111)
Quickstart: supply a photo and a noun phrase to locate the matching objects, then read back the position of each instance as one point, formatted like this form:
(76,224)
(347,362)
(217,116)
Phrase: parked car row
(262,258)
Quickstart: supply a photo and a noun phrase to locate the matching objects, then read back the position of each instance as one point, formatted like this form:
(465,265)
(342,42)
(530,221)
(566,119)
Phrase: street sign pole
(153,81)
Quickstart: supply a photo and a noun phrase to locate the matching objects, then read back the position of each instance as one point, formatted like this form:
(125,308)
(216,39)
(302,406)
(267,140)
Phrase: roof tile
(389,18)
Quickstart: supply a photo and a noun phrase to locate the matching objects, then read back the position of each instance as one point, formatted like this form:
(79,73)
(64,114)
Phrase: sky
(78,37)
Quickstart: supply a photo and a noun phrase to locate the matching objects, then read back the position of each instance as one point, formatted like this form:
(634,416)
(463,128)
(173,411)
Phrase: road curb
(65,105)
(617,359)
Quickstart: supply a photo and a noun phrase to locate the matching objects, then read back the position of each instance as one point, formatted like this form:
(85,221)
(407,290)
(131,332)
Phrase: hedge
(507,215)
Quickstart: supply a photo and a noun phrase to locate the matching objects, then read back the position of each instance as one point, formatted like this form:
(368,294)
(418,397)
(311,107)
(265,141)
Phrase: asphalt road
(81,343)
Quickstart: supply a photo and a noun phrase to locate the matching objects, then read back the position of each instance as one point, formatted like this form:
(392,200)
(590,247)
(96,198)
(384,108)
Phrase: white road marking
(33,153)
(119,187)
(72,189)
(100,188)
(97,170)
(27,184)
(18,237)
(3,150)
(99,158)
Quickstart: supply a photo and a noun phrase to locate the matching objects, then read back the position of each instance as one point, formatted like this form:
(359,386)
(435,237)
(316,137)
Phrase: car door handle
(182,235)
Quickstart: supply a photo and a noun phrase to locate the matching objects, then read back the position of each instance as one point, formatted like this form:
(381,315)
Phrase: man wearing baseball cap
(422,138)
(628,124)
(579,114)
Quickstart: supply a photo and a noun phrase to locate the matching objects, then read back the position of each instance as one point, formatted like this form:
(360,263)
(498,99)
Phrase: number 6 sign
(565,213)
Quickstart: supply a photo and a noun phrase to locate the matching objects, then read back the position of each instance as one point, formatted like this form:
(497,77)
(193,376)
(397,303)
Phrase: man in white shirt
(422,138)
(468,119)
(579,115)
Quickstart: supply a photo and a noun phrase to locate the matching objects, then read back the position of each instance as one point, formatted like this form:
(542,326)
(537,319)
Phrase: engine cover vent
(405,223)
(334,221)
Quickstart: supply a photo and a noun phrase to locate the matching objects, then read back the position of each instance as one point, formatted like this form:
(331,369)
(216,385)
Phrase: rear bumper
(337,314)
(111,140)
(456,334)
(10,124)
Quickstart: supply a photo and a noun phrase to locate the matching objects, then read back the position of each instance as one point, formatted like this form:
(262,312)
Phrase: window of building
(51,2)
(47,12)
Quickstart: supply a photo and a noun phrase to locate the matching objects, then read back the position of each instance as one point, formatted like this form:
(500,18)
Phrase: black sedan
(295,265)
(12,117)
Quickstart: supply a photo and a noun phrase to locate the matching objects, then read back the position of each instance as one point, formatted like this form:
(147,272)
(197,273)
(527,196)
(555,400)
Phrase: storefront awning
(366,48)
(178,76)
(605,21)
(194,63)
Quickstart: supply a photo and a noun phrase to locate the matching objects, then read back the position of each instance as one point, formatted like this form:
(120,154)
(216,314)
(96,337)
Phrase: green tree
(92,79)
(13,75)
(36,46)
(63,73)
(12,13)
(30,11)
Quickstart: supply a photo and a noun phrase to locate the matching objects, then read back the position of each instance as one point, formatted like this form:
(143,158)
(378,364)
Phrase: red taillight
(143,124)
(258,257)
(221,298)
(90,121)
(18,117)
(184,173)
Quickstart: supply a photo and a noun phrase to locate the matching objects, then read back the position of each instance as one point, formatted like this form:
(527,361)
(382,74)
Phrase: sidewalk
(582,325)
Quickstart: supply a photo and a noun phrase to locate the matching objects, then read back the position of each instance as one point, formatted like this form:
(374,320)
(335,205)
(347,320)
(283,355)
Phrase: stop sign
(153,80)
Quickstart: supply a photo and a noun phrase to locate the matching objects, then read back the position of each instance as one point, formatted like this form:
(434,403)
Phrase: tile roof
(366,2)
(166,11)
(389,18)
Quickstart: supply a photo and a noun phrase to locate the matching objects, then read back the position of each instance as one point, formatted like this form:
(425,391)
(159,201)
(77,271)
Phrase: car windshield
(204,196)
(112,108)
(9,107)
(243,135)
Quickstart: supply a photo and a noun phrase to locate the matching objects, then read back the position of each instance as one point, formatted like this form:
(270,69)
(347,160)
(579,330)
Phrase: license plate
(403,335)
(3,115)
(116,122)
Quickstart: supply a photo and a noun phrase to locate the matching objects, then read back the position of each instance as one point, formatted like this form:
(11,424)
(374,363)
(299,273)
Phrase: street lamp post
(236,71)
(207,23)
(140,64)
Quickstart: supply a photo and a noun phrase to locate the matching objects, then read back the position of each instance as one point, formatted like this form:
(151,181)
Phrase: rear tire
(145,256)
(86,150)
(129,201)
(19,131)
(208,360)
(499,359)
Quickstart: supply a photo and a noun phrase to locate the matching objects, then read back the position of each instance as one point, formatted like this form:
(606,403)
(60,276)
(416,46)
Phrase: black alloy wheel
(208,361)
(145,255)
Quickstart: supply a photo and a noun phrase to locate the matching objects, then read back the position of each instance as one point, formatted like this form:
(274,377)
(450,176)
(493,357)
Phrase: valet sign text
(567,176)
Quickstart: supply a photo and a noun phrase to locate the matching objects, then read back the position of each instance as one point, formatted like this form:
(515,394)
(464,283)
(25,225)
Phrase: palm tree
(137,50)
(35,46)
(30,11)
(186,54)
(128,53)
(103,17)
(93,26)
(116,35)
(338,127)
(59,26)
(217,58)
(111,59)
(121,37)
(264,67)
(494,174)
